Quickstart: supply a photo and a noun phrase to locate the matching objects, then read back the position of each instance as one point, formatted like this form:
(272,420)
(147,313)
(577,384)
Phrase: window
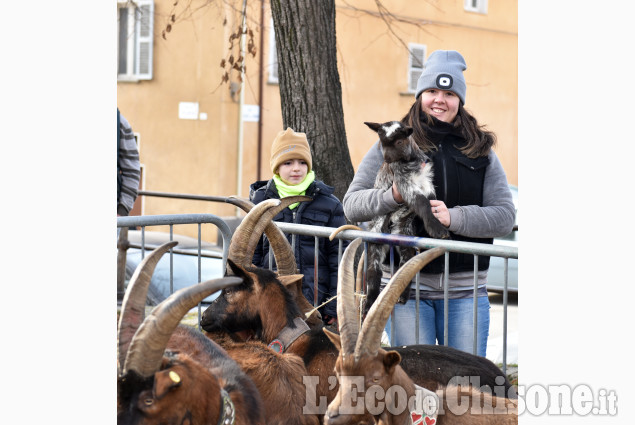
(135,20)
(273,57)
(415,64)
(479,6)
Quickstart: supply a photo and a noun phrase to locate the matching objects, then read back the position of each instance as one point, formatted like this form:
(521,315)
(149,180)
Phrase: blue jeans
(460,328)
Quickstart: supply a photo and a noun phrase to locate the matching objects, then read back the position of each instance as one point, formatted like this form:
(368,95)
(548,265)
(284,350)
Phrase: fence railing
(475,249)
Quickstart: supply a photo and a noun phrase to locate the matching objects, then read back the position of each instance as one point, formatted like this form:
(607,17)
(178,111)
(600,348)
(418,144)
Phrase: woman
(292,175)
(473,201)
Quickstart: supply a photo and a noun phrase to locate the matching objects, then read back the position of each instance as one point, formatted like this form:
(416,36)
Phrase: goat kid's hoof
(402,300)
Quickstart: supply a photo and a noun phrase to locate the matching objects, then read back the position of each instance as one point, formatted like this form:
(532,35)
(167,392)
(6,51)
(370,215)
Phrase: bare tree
(310,89)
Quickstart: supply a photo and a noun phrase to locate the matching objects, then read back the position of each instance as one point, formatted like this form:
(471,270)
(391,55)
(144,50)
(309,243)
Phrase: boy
(292,175)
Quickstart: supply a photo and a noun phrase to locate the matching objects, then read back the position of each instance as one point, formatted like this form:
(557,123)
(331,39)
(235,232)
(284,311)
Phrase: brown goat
(370,375)
(262,307)
(278,377)
(171,374)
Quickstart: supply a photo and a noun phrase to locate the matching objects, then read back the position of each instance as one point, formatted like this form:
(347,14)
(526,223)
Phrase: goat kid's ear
(408,131)
(373,126)
(391,360)
(335,339)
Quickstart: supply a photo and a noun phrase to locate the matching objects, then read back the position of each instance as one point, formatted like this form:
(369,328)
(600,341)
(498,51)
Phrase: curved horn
(346,310)
(265,220)
(282,251)
(242,247)
(370,336)
(147,346)
(240,239)
(359,282)
(342,228)
(134,300)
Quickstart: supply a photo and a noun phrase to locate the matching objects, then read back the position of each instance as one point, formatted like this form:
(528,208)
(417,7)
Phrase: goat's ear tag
(276,345)
(425,408)
(174,377)
(164,381)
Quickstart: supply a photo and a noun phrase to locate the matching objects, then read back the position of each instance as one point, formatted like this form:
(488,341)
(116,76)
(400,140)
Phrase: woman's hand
(395,194)
(439,210)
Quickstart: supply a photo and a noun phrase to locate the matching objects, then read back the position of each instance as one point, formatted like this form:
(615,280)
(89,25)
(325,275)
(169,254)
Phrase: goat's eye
(148,401)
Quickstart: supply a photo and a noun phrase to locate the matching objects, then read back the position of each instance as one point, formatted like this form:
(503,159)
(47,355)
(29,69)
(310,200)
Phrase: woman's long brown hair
(479,140)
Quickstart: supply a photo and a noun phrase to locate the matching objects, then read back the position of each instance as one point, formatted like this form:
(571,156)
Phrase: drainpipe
(239,165)
(260,87)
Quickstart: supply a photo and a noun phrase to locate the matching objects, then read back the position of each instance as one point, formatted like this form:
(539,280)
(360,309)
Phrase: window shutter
(273,56)
(145,36)
(415,65)
(479,6)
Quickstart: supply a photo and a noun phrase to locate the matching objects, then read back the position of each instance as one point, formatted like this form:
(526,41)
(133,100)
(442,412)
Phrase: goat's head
(394,140)
(365,370)
(154,386)
(252,309)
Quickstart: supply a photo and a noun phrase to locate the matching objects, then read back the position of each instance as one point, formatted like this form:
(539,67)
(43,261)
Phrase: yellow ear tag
(174,377)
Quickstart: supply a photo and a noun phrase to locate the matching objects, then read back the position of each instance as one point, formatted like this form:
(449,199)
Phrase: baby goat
(402,165)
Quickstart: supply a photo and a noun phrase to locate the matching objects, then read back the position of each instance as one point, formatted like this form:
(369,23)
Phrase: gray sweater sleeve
(362,202)
(495,218)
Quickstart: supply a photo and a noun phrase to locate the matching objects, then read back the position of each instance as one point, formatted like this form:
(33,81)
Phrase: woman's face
(293,171)
(441,104)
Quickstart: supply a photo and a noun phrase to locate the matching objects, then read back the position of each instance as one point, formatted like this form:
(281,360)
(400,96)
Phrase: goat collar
(287,335)
(227,409)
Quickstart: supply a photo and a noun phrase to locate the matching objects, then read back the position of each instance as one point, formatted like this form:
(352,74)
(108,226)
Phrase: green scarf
(285,190)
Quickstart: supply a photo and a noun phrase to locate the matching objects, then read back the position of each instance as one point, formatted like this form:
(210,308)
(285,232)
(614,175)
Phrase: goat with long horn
(361,354)
(173,374)
(367,372)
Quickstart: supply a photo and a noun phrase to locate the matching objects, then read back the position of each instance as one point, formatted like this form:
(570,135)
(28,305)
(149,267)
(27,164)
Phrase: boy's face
(293,171)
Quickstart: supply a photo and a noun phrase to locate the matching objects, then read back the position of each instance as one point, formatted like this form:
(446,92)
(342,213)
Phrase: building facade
(201,135)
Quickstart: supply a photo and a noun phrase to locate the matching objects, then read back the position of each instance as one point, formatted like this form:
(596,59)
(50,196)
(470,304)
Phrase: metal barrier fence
(317,232)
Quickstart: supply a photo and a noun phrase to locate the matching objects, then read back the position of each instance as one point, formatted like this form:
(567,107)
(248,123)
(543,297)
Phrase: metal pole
(475,308)
(446,300)
(239,165)
(122,247)
(505,272)
(392,315)
(316,252)
(417,295)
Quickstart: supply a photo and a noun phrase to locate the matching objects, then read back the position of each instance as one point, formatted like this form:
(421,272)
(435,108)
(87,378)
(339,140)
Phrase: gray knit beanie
(443,70)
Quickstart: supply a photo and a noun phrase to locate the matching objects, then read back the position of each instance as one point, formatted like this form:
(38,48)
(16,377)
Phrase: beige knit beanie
(289,145)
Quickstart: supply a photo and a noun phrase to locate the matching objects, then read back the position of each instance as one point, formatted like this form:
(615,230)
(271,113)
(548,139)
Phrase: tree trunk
(310,90)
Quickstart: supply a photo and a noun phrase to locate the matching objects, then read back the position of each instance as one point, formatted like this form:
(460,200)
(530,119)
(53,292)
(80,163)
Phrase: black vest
(458,180)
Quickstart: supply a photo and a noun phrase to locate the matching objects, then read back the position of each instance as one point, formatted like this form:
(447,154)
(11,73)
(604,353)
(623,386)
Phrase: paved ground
(495,340)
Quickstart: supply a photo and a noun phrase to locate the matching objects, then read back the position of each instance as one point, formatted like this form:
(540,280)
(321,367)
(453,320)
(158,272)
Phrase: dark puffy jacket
(324,210)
